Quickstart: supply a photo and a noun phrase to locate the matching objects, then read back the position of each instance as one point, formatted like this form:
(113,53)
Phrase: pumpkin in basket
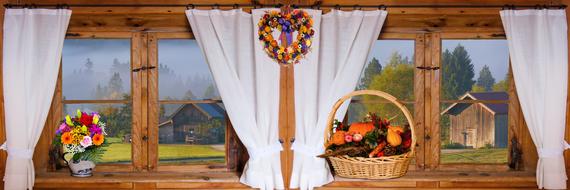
(361,128)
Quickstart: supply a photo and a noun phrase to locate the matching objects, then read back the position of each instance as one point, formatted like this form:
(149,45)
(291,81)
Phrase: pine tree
(486,79)
(210,92)
(457,73)
(374,68)
(189,95)
(89,65)
(115,86)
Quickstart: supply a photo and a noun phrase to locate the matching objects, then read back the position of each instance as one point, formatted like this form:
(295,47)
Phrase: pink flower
(357,137)
(86,142)
(62,126)
(348,138)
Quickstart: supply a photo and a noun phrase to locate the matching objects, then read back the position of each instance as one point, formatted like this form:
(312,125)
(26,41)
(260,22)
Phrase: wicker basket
(371,168)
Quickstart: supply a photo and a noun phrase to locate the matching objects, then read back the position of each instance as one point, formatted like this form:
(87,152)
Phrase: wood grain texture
(138,159)
(152,106)
(427,109)
(419,92)
(434,179)
(435,47)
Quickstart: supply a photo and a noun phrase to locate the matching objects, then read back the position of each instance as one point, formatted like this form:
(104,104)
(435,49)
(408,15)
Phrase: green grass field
(494,155)
(121,152)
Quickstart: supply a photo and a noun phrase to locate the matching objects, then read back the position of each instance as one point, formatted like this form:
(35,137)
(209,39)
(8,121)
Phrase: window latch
(145,138)
(143,68)
(427,68)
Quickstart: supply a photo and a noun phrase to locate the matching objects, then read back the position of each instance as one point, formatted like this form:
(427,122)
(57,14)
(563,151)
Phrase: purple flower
(94,129)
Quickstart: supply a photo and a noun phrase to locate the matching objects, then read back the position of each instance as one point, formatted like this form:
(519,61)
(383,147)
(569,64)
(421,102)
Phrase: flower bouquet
(83,136)
(373,148)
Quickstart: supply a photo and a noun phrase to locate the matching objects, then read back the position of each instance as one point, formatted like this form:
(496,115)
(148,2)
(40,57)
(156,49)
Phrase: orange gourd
(361,128)
(393,138)
(338,138)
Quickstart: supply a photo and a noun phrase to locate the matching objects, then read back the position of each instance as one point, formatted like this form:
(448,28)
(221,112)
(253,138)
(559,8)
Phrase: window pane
(192,133)
(96,69)
(188,132)
(474,132)
(183,72)
(473,66)
(118,120)
(390,68)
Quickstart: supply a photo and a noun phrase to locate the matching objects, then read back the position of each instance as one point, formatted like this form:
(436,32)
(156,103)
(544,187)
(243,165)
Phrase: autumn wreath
(288,51)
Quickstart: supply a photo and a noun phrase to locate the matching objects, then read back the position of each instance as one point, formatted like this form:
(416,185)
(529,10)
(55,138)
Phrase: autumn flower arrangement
(286,22)
(374,137)
(82,135)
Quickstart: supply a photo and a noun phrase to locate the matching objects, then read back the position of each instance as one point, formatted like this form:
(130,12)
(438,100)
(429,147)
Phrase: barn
(186,124)
(479,124)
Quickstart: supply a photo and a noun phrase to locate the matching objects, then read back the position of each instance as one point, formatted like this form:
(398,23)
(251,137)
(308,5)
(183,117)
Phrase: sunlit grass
(489,156)
(121,152)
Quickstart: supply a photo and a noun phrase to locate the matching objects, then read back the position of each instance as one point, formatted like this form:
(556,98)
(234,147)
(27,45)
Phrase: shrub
(453,146)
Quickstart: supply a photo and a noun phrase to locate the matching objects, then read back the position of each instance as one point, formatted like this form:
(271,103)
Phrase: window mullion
(138,158)
(152,105)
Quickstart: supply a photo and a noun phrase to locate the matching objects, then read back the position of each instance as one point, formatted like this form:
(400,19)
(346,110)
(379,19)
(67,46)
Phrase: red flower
(86,119)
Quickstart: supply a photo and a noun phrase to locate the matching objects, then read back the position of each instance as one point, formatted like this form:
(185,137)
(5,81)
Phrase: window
(96,77)
(474,101)
(192,119)
(158,99)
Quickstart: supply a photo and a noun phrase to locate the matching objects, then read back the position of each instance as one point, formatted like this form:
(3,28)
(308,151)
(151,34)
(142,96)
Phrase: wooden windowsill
(444,179)
(230,180)
(145,180)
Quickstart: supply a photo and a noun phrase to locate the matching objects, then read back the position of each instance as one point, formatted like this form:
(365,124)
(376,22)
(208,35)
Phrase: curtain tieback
(265,151)
(306,150)
(552,152)
(18,152)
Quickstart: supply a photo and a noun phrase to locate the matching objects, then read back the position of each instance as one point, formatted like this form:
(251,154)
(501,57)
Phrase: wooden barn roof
(503,108)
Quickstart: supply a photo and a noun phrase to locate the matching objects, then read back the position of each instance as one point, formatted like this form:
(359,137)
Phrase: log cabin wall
(401,23)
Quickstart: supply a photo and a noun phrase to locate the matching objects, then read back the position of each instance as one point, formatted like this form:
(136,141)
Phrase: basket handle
(384,95)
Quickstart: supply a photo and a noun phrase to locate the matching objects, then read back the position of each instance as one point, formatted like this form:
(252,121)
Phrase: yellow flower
(78,113)
(84,128)
(95,119)
(68,121)
(308,42)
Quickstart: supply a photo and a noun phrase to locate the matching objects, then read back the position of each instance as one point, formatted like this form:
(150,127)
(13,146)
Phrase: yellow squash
(393,138)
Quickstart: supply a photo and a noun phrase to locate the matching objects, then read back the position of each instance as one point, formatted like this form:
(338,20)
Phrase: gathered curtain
(343,46)
(538,47)
(248,85)
(33,41)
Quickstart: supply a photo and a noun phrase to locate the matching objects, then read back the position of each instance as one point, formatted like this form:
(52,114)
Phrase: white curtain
(33,41)
(248,85)
(345,42)
(538,46)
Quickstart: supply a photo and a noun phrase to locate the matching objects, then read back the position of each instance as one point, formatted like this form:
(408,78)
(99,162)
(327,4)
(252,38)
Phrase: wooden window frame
(516,125)
(427,53)
(144,95)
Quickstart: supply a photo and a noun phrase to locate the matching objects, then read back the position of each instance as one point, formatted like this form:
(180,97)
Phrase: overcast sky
(185,58)
(493,53)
